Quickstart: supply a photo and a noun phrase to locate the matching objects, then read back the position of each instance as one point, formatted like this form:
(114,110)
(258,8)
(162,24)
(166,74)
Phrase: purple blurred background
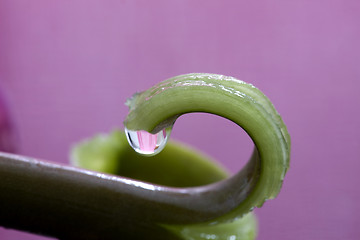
(67,67)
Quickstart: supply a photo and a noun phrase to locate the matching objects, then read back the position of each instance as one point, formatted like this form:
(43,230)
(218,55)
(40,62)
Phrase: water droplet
(146,143)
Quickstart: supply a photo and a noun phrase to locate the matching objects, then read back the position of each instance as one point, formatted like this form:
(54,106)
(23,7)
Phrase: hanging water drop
(146,143)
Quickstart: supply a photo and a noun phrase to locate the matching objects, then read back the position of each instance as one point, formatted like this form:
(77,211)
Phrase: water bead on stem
(146,143)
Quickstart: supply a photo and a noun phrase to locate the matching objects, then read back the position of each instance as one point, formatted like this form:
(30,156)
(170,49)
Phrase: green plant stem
(242,103)
(71,203)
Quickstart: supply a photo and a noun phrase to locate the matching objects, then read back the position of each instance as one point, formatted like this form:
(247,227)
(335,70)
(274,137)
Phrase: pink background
(67,67)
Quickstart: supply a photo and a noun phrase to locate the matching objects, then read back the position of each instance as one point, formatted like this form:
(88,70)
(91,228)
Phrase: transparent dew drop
(146,143)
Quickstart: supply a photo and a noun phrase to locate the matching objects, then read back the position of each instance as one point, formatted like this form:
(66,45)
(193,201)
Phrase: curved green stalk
(72,203)
(260,180)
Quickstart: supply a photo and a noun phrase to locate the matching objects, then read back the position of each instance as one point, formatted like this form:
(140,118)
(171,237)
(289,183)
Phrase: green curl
(240,102)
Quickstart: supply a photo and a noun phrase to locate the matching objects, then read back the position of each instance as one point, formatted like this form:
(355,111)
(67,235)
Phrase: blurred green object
(176,166)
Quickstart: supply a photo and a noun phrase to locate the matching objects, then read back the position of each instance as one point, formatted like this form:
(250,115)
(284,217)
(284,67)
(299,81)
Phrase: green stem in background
(177,166)
(242,103)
